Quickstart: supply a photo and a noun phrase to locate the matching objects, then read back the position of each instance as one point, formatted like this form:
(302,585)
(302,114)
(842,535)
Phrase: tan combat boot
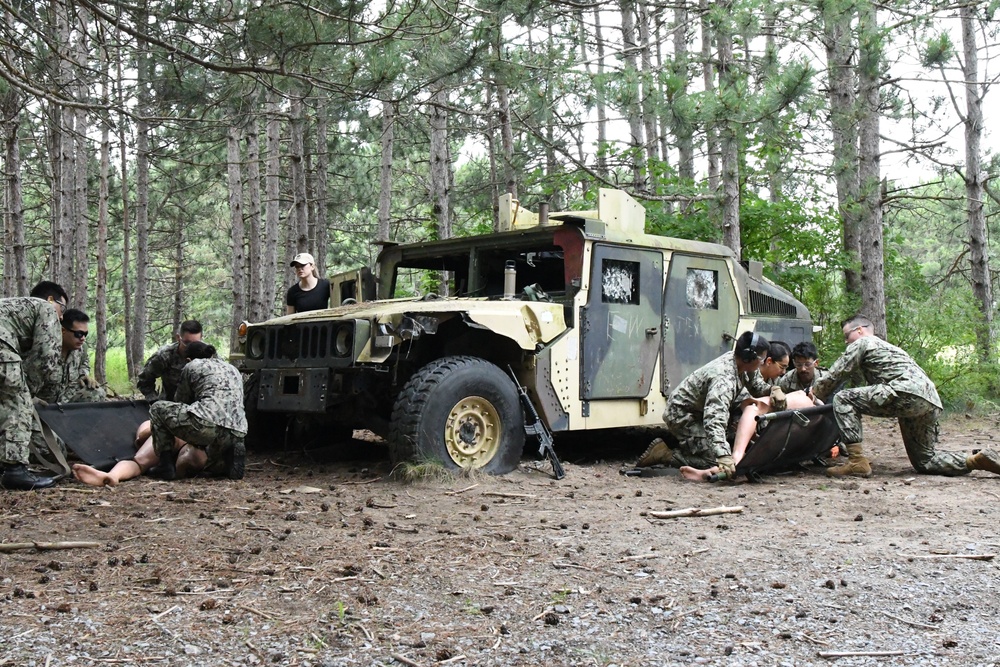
(984,459)
(658,453)
(857,464)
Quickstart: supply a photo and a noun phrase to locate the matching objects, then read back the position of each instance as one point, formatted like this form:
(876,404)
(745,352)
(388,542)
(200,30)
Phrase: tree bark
(982,287)
(129,317)
(708,77)
(15,264)
(104,193)
(729,133)
(632,107)
(258,310)
(648,95)
(272,192)
(385,171)
(81,222)
(682,128)
(321,192)
(440,170)
(238,236)
(296,156)
(506,130)
(138,343)
(599,95)
(837,17)
(869,173)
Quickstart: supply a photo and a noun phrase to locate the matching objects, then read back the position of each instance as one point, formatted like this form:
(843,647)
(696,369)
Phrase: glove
(778,400)
(87,382)
(727,466)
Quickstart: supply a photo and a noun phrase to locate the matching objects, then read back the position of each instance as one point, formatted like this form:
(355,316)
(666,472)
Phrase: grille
(299,341)
(769,305)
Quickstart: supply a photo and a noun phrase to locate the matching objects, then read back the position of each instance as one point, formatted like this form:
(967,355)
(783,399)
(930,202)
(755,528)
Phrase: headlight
(343,341)
(256,343)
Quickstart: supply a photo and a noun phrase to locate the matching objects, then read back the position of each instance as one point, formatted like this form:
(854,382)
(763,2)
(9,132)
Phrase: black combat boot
(17,477)
(234,461)
(166,468)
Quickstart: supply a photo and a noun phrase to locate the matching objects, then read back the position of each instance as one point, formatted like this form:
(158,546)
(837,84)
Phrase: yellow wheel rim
(472,433)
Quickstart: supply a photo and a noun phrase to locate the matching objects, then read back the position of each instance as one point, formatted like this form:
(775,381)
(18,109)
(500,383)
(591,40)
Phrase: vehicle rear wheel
(462,412)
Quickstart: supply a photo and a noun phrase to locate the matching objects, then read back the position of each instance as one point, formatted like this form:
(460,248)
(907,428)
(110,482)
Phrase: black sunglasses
(79,335)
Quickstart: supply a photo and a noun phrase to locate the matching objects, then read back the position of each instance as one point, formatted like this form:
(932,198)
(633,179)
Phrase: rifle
(533,425)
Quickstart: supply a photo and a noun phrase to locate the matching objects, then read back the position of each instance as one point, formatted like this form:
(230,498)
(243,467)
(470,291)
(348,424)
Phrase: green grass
(117,372)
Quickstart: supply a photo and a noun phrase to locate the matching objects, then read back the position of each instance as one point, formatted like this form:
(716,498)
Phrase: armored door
(701,312)
(620,325)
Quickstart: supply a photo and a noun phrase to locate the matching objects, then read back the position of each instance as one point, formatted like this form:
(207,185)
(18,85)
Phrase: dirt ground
(329,564)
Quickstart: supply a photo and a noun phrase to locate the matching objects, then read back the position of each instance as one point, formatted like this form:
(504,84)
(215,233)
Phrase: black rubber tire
(459,384)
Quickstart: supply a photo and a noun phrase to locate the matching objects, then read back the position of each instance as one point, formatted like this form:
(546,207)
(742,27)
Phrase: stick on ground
(696,511)
(11,547)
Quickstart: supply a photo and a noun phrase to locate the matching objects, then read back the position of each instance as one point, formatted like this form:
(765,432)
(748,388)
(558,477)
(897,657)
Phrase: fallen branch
(961,556)
(11,547)
(499,494)
(455,493)
(916,624)
(266,615)
(858,654)
(696,511)
(404,660)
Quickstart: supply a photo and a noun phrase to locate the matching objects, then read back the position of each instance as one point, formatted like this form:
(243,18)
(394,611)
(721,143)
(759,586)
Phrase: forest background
(164,160)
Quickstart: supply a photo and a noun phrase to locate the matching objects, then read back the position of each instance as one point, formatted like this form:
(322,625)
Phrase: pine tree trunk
(138,344)
(15,274)
(81,158)
(321,192)
(271,268)
(385,172)
(506,129)
(439,170)
(979,274)
(839,52)
(104,194)
(729,135)
(235,175)
(258,310)
(127,287)
(708,76)
(632,108)
(602,111)
(682,128)
(869,172)
(648,95)
(296,156)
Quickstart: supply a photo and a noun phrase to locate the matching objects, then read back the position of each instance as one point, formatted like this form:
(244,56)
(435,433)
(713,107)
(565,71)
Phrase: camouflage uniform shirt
(882,363)
(789,382)
(708,393)
(30,330)
(213,390)
(166,364)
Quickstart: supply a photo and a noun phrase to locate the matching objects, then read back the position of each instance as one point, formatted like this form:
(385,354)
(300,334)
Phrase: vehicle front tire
(462,412)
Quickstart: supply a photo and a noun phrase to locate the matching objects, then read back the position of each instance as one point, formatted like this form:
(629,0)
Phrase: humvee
(595,318)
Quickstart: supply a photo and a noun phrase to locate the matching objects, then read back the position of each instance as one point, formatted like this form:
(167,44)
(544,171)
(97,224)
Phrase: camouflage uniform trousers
(16,410)
(695,448)
(918,424)
(169,420)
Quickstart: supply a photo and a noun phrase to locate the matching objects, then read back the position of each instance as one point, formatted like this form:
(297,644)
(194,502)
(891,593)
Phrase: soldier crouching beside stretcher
(897,387)
(208,413)
(697,412)
(29,345)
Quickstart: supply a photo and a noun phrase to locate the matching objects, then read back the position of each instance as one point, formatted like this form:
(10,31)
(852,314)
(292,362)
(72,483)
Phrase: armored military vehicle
(595,318)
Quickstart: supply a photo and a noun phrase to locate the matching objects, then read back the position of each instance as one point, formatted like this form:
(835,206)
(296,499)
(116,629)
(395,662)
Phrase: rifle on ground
(533,425)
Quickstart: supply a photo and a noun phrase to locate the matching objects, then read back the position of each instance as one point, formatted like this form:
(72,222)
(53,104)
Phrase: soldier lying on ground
(697,412)
(208,414)
(190,461)
(752,408)
(897,387)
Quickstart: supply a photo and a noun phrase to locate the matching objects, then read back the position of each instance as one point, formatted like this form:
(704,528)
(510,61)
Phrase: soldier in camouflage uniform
(897,387)
(698,409)
(77,385)
(29,350)
(208,413)
(806,372)
(167,364)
